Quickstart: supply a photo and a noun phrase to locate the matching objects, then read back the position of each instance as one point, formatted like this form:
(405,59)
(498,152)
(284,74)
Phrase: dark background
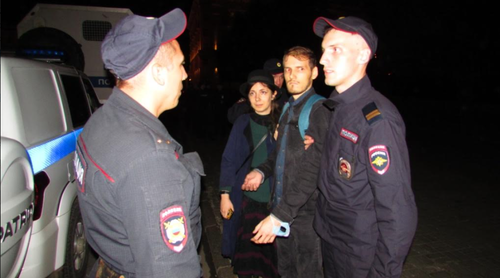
(437,60)
(431,49)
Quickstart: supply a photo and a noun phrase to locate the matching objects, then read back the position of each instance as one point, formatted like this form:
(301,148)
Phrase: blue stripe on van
(48,153)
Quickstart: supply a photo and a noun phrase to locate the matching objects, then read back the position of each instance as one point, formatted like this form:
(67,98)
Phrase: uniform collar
(128,105)
(355,92)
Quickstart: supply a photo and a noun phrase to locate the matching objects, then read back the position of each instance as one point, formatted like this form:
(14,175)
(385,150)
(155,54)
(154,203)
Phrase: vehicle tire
(77,248)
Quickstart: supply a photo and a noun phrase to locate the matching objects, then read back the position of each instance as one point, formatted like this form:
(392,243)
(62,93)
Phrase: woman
(250,142)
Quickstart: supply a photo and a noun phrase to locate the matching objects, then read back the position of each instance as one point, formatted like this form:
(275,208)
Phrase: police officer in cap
(138,192)
(366,213)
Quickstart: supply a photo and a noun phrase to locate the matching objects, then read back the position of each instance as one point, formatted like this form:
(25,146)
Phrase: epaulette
(330,104)
(371,113)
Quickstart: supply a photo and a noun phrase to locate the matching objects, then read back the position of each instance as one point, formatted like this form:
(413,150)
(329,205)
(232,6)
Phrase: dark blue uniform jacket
(138,193)
(366,208)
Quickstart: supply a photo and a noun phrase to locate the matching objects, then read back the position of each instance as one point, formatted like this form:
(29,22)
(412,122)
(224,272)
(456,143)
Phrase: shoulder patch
(379,159)
(174,228)
(371,113)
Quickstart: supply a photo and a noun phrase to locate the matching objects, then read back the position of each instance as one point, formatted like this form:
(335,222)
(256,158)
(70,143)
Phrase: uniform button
(168,141)
(158,141)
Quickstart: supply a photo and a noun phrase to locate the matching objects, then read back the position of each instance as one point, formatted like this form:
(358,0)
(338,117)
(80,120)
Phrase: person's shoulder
(242,120)
(319,101)
(378,108)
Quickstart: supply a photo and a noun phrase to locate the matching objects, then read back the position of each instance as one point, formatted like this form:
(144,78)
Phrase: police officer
(366,213)
(138,191)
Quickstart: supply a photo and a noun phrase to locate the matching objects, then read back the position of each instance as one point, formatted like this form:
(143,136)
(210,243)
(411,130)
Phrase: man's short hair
(302,53)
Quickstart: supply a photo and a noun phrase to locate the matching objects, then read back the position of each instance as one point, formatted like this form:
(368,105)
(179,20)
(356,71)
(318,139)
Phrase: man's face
(176,74)
(340,58)
(278,79)
(298,75)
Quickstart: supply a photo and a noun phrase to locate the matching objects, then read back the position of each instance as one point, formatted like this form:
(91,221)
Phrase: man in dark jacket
(138,192)
(366,214)
(295,173)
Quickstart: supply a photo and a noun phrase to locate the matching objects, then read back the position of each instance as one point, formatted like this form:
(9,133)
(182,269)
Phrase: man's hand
(308,141)
(264,231)
(252,181)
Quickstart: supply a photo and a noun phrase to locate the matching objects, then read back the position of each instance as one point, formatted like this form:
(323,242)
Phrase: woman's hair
(275,109)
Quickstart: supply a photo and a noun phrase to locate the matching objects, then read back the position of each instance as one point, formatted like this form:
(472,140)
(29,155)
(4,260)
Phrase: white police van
(76,32)
(43,109)
(17,206)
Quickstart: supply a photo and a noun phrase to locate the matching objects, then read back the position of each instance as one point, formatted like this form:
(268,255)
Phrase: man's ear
(314,72)
(158,73)
(364,56)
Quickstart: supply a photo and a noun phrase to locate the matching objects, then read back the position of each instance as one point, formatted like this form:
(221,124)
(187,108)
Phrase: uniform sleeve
(156,217)
(388,170)
(302,187)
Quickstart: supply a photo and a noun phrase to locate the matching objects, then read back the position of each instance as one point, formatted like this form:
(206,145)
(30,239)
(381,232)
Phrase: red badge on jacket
(174,228)
(379,159)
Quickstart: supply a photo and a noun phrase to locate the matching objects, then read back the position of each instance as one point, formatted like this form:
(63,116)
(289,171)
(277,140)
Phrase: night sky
(449,49)
(427,49)
(438,62)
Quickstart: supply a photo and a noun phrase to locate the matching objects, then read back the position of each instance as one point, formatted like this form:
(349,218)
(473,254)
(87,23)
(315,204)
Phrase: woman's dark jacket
(238,148)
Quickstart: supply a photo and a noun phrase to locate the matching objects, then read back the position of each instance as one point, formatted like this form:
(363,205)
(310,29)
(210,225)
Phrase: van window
(77,100)
(40,104)
(95,30)
(91,95)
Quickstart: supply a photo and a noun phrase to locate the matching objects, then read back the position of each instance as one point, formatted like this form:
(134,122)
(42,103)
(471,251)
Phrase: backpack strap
(306,111)
(285,107)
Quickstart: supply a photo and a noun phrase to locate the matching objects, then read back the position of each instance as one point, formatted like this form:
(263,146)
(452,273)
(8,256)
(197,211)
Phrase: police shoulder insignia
(371,113)
(174,228)
(379,159)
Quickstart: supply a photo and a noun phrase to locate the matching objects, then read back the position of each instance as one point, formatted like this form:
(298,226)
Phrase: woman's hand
(225,205)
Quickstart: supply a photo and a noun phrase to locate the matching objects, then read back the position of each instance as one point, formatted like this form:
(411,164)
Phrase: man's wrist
(261,173)
(283,230)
